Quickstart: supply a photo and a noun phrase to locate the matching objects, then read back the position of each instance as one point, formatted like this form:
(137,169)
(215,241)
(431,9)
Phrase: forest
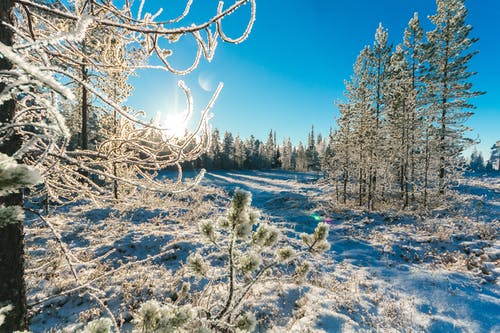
(113,221)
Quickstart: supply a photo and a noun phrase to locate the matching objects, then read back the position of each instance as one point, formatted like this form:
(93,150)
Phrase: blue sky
(291,70)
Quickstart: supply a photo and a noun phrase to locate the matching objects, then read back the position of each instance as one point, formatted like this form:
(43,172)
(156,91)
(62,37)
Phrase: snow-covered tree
(214,154)
(312,155)
(13,176)
(476,162)
(286,154)
(252,152)
(300,158)
(414,48)
(239,153)
(401,124)
(448,80)
(228,151)
(356,125)
(495,156)
(379,63)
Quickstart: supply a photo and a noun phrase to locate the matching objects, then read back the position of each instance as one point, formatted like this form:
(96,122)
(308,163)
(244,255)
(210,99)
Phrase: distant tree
(286,154)
(228,151)
(301,158)
(269,152)
(495,156)
(312,155)
(239,153)
(327,158)
(214,153)
(476,161)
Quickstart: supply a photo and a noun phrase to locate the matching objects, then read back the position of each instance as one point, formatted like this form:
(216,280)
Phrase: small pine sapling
(241,250)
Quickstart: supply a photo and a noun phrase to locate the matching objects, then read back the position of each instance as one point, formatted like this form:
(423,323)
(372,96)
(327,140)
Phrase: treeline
(477,163)
(401,131)
(228,152)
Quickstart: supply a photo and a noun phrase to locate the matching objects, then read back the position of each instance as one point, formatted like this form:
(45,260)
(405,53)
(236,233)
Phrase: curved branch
(248,29)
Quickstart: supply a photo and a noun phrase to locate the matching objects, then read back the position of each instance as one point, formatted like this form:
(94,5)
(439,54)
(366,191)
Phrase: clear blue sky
(292,68)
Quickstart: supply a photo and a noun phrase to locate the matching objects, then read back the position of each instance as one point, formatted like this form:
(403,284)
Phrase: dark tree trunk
(12,288)
(85,111)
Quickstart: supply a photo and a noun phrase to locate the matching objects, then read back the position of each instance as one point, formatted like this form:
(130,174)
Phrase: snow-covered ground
(393,271)
(437,273)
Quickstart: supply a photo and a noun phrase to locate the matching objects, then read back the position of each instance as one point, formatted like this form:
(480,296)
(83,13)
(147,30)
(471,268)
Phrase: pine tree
(214,152)
(476,162)
(228,151)
(312,155)
(341,166)
(301,158)
(495,156)
(380,62)
(413,46)
(269,152)
(363,123)
(400,124)
(239,153)
(286,154)
(449,85)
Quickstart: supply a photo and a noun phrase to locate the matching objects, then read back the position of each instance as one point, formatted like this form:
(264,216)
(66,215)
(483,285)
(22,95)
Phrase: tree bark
(85,109)
(12,287)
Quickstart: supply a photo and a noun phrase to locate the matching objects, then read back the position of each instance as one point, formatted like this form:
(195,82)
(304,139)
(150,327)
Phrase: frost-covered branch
(109,42)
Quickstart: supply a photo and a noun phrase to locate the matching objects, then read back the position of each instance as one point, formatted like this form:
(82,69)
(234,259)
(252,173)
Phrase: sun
(175,124)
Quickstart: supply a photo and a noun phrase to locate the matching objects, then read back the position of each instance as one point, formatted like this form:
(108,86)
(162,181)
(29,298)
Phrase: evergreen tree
(300,158)
(239,153)
(414,48)
(214,152)
(362,123)
(380,62)
(400,127)
(286,154)
(252,153)
(495,156)
(269,152)
(476,163)
(449,85)
(312,155)
(341,167)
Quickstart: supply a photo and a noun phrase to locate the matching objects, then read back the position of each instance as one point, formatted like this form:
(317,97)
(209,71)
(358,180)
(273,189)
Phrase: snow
(385,271)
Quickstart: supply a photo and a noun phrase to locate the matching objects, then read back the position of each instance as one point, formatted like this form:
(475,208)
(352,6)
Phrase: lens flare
(318,218)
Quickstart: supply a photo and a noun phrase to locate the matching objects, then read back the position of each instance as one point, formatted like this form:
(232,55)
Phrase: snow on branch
(35,72)
(86,56)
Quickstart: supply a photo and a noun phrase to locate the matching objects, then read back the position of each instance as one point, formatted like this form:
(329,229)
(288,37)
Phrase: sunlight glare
(176,124)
